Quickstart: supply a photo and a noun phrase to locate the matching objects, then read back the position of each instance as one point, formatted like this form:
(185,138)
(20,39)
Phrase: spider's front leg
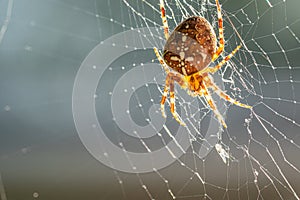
(164,19)
(221,34)
(161,60)
(220,64)
(170,86)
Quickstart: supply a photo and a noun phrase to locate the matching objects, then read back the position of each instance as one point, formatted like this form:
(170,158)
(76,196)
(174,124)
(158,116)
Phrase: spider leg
(170,86)
(163,100)
(220,64)
(221,34)
(172,102)
(212,104)
(161,60)
(222,94)
(164,19)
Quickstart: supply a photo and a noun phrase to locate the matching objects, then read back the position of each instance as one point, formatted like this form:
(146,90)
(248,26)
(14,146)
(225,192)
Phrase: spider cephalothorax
(189,50)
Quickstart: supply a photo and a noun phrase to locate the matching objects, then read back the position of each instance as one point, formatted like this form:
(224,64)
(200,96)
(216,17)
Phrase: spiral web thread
(262,74)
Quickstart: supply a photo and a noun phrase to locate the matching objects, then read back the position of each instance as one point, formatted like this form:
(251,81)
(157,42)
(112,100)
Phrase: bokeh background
(42,45)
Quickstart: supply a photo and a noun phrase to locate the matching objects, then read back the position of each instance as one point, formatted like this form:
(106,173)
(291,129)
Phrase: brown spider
(189,50)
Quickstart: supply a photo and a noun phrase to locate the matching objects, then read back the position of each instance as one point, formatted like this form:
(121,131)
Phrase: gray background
(40,151)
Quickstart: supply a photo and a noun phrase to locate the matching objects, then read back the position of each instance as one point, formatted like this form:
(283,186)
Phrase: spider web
(254,158)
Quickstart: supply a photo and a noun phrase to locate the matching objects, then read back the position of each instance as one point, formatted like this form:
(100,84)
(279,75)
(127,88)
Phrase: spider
(188,51)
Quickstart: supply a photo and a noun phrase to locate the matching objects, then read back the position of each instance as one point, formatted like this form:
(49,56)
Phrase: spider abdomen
(191,46)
